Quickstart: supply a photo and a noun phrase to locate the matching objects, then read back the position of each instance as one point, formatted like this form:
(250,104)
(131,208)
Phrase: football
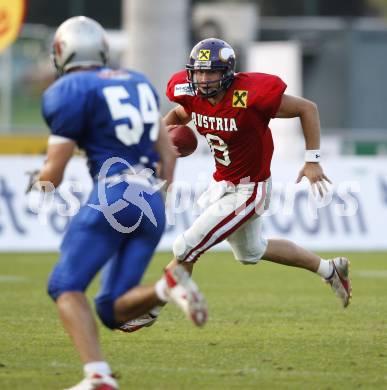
(184,139)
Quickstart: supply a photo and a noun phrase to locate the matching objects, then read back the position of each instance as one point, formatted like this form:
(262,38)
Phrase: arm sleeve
(178,91)
(63,109)
(271,94)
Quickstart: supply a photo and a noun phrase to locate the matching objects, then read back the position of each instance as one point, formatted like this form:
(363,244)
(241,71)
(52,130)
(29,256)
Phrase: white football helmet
(79,42)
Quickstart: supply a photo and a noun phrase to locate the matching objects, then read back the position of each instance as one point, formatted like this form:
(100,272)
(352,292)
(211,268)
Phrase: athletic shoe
(145,320)
(96,382)
(340,281)
(184,292)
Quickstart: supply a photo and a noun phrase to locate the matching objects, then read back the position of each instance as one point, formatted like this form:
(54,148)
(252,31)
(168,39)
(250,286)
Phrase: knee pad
(255,254)
(180,247)
(105,311)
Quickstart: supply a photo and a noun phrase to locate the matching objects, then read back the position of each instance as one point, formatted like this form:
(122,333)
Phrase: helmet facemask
(210,90)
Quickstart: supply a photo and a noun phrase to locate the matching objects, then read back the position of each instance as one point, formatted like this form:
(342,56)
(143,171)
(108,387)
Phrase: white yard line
(12,279)
(371,273)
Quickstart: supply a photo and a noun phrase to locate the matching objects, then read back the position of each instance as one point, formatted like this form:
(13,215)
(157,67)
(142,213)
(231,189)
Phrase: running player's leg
(247,243)
(220,221)
(216,223)
(249,246)
(334,271)
(285,252)
(174,286)
(85,249)
(89,243)
(120,297)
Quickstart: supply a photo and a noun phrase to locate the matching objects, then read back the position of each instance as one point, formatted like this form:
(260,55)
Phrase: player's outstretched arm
(307,111)
(293,107)
(52,171)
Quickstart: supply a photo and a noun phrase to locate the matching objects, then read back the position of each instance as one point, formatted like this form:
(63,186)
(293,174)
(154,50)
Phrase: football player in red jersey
(232,111)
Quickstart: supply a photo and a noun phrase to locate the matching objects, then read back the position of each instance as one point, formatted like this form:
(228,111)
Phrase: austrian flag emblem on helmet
(204,55)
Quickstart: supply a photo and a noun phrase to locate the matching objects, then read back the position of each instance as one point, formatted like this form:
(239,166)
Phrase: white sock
(161,290)
(97,367)
(155,311)
(325,269)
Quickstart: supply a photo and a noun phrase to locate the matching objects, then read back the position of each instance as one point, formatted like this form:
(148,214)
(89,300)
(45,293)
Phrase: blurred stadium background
(332,52)
(342,54)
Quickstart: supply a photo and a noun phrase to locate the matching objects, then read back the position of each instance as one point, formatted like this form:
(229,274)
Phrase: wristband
(312,155)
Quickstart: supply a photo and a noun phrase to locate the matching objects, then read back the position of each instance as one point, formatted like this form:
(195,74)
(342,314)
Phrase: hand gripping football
(184,139)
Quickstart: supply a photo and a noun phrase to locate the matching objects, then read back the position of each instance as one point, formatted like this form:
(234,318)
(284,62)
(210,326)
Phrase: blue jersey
(108,113)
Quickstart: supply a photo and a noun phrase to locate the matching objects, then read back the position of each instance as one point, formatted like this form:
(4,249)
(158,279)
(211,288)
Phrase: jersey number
(130,133)
(217,144)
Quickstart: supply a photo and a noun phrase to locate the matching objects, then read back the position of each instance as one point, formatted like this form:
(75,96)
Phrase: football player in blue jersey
(114,116)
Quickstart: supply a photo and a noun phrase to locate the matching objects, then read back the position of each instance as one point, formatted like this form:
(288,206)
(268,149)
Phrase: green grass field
(270,327)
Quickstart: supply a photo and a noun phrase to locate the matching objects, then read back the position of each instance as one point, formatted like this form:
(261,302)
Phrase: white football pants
(232,213)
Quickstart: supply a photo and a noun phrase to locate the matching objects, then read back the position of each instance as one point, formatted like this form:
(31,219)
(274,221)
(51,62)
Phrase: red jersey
(237,128)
